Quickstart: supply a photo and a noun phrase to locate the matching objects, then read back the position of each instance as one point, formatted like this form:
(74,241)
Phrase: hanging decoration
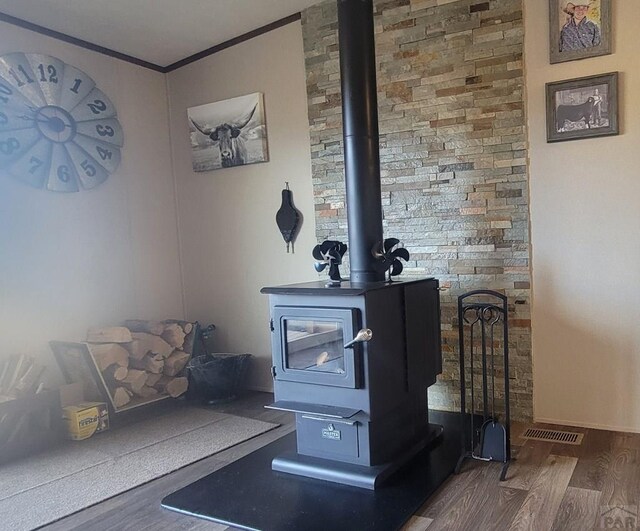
(288,218)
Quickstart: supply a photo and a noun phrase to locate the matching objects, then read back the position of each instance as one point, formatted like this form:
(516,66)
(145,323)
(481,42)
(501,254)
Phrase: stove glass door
(310,345)
(314,345)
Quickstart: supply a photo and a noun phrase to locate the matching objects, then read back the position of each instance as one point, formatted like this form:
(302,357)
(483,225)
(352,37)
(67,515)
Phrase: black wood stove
(361,406)
(361,409)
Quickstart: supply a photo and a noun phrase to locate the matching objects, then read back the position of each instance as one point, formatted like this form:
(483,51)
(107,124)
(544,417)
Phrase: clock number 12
(51,70)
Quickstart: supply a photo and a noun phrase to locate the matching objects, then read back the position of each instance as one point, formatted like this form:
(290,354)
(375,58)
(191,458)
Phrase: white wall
(70,261)
(230,244)
(585,220)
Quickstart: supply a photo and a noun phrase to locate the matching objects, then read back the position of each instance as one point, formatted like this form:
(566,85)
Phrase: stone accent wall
(453,154)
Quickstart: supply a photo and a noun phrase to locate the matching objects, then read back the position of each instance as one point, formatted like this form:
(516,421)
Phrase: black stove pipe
(361,136)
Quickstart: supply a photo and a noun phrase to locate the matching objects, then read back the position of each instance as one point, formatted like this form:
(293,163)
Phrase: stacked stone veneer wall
(453,154)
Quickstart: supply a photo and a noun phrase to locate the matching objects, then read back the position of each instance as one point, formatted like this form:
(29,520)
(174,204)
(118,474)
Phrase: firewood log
(150,327)
(154,344)
(174,387)
(187,328)
(153,379)
(162,383)
(3,374)
(113,376)
(174,335)
(113,334)
(147,392)
(29,382)
(121,397)
(177,386)
(135,380)
(175,363)
(15,373)
(136,349)
(107,354)
(150,363)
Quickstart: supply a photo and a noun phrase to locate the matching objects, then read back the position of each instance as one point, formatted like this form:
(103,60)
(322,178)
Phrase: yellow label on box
(86,419)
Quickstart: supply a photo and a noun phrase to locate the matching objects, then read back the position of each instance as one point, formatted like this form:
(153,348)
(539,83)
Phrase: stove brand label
(331,433)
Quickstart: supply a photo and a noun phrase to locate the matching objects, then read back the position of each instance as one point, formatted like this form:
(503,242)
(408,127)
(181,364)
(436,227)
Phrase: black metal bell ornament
(288,218)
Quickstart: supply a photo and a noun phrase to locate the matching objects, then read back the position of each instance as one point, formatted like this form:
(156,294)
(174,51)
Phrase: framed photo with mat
(579,29)
(584,107)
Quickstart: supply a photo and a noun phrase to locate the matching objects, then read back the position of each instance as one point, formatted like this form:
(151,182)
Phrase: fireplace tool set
(485,324)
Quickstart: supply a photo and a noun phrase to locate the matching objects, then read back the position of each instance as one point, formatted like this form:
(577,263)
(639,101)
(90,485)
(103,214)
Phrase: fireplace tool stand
(481,314)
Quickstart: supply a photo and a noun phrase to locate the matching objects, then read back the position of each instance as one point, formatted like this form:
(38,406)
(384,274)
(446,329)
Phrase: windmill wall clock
(58,131)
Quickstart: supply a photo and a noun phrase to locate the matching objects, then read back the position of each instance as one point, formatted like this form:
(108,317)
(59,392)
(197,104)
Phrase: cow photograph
(228,133)
(584,107)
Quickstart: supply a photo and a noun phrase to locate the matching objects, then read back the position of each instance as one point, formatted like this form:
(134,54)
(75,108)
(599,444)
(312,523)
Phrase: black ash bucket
(217,377)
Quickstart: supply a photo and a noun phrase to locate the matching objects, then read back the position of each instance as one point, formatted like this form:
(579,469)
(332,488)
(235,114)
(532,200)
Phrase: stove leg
(459,463)
(503,474)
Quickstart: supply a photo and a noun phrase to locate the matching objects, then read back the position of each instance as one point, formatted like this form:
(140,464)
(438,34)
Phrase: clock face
(58,131)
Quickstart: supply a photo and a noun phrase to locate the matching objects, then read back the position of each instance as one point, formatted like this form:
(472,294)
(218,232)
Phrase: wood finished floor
(554,487)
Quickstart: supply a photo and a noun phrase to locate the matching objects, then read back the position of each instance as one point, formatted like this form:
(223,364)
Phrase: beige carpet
(44,488)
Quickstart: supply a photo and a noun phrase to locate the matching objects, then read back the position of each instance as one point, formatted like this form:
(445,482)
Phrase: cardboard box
(85,419)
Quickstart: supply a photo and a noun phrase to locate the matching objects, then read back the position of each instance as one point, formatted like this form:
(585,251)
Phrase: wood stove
(361,407)
(364,404)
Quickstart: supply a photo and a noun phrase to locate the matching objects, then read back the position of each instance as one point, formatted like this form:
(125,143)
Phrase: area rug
(44,488)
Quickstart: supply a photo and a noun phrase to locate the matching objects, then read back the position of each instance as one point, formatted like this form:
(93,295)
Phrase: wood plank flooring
(549,487)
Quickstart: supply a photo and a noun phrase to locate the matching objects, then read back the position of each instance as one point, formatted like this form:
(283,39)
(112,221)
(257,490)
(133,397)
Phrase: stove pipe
(361,137)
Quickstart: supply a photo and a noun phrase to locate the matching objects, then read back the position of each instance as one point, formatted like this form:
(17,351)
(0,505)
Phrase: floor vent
(554,436)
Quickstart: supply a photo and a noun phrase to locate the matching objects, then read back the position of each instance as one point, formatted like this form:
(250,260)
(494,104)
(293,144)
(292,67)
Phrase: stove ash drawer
(327,437)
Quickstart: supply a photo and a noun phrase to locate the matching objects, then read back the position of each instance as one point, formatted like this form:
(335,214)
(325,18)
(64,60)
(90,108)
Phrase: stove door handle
(363,335)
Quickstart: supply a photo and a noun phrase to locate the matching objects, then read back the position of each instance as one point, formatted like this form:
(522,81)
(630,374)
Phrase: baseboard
(595,426)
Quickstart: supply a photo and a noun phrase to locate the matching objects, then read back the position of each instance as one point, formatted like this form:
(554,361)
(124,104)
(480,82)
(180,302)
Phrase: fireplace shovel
(494,441)
(493,435)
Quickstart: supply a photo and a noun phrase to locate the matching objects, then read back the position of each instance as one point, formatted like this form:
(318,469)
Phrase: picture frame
(228,133)
(579,29)
(584,107)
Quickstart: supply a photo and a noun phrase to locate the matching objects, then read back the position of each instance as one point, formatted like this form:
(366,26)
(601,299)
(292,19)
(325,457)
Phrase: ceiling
(158,31)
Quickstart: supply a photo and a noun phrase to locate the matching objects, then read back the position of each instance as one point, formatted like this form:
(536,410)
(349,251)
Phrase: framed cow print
(579,29)
(228,133)
(582,108)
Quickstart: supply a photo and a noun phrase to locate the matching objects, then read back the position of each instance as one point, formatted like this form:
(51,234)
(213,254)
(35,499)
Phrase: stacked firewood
(142,359)
(20,376)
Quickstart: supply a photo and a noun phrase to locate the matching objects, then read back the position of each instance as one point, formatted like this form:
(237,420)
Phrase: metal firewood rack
(484,338)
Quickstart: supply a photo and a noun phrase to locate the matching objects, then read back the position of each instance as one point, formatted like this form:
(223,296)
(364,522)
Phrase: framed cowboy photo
(585,107)
(579,29)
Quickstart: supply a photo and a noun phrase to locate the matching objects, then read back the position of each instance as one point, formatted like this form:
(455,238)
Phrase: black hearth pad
(247,494)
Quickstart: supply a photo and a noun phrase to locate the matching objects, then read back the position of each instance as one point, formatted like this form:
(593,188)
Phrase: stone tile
(453,153)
